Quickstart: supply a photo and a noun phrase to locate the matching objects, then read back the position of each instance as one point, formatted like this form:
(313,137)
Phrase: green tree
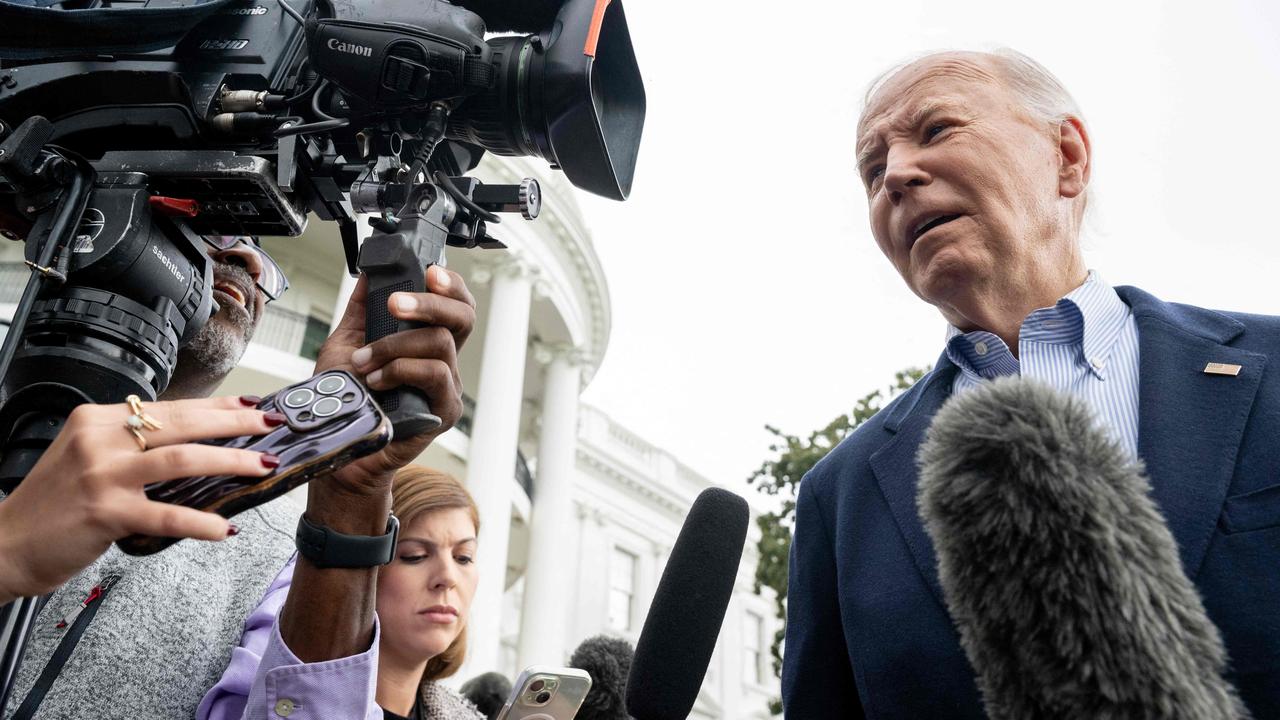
(779,476)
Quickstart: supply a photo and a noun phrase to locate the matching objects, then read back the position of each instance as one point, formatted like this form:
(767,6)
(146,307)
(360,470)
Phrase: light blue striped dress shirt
(1085,345)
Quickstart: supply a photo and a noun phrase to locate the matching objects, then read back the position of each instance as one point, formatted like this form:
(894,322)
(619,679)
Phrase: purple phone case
(307,445)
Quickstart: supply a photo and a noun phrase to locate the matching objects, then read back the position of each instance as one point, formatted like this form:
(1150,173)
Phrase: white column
(543,631)
(491,462)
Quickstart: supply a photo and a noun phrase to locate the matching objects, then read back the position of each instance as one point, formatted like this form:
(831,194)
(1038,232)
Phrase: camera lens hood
(571,94)
(593,100)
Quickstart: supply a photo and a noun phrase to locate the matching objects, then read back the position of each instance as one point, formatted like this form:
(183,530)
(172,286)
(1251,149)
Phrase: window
(316,332)
(752,657)
(622,589)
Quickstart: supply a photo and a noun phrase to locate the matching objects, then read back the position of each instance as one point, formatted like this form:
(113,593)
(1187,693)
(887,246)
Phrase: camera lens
(298,398)
(536,685)
(325,407)
(543,697)
(331,385)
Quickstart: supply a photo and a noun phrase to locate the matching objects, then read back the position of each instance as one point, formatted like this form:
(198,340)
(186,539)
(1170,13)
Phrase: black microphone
(522,16)
(608,661)
(680,632)
(1058,569)
(488,692)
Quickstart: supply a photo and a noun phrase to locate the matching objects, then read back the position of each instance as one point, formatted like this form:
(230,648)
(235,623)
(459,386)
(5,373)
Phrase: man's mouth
(928,223)
(232,291)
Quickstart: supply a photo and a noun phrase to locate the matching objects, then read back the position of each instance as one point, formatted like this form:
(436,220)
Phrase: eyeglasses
(271,279)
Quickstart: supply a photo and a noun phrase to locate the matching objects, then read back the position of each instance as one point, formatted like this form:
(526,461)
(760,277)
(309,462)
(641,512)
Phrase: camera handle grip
(394,262)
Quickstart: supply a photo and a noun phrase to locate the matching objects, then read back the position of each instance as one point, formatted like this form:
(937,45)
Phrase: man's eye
(874,174)
(933,131)
(464,560)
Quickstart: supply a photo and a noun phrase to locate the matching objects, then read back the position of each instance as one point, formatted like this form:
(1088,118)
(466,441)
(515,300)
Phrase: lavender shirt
(265,681)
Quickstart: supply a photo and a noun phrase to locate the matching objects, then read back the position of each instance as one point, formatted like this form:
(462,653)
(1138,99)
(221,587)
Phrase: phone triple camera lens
(331,385)
(325,407)
(298,398)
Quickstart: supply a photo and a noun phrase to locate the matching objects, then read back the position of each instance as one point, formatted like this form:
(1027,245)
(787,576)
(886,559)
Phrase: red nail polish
(232,530)
(274,418)
(250,400)
(269,460)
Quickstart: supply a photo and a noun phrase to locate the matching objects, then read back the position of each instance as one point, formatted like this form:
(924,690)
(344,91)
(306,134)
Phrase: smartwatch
(328,548)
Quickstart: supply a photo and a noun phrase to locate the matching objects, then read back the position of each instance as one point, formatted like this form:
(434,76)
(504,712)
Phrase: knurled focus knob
(525,198)
(530,198)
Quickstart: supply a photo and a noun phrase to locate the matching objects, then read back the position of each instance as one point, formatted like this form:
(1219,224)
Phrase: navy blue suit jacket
(867,632)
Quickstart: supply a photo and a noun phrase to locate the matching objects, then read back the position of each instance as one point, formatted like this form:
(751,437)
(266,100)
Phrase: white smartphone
(546,693)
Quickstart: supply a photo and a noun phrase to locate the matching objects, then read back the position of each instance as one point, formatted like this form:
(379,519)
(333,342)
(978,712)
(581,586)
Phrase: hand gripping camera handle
(391,264)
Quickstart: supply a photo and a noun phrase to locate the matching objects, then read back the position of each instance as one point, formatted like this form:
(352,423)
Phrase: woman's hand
(87,489)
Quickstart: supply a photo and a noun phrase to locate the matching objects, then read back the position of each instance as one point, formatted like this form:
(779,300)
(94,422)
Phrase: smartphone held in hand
(330,420)
(546,693)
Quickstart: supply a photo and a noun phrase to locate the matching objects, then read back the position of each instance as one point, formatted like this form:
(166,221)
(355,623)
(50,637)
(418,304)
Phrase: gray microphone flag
(1058,570)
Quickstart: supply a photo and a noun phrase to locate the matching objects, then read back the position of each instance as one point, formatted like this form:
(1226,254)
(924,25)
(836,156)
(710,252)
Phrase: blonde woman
(423,603)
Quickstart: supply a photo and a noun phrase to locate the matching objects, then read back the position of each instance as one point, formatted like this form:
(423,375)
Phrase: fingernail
(374,377)
(269,460)
(232,530)
(250,400)
(274,418)
(442,276)
(361,357)
(405,302)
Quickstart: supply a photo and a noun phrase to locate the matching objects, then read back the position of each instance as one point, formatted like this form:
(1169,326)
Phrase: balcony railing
(292,332)
(281,329)
(13,279)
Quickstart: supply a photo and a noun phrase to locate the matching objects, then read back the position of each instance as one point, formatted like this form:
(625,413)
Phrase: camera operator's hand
(87,489)
(425,358)
(329,611)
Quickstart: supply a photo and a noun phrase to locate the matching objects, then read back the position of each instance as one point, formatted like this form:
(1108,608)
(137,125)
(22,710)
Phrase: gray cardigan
(164,634)
(441,703)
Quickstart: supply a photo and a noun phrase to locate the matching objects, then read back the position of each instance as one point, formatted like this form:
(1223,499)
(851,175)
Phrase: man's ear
(1075,154)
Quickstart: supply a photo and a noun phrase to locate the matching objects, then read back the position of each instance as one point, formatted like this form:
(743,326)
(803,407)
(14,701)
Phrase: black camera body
(256,114)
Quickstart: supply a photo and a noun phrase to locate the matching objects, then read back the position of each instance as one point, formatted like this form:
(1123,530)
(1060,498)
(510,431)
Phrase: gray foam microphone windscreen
(1058,569)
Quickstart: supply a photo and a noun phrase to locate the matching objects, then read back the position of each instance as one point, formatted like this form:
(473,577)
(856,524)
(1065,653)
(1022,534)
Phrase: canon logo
(336,44)
(167,263)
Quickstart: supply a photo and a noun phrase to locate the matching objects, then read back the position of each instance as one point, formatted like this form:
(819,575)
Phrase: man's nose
(240,255)
(902,172)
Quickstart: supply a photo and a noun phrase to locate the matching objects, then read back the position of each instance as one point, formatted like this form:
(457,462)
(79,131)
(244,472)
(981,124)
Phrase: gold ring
(138,437)
(139,421)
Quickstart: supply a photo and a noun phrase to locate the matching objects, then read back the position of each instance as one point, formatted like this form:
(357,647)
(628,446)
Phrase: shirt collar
(1091,317)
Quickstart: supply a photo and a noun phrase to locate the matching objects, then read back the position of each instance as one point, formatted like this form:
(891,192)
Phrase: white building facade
(578,515)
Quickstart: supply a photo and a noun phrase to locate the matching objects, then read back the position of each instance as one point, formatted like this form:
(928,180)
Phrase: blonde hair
(417,491)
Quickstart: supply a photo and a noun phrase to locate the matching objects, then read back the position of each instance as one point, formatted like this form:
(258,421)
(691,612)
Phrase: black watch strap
(329,548)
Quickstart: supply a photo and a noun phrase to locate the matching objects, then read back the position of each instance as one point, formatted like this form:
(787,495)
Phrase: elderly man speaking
(976,168)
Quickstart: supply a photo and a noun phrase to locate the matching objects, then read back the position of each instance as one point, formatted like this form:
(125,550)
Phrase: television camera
(130,130)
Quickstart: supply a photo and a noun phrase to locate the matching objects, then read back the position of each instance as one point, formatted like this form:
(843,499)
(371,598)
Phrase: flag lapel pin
(1215,368)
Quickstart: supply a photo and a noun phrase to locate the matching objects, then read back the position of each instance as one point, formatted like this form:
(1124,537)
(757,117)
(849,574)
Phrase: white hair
(1036,89)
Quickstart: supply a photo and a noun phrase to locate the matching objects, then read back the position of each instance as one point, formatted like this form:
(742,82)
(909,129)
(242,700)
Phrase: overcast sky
(746,286)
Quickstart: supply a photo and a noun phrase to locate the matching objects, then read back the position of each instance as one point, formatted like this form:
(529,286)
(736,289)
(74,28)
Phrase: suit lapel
(897,473)
(1190,424)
